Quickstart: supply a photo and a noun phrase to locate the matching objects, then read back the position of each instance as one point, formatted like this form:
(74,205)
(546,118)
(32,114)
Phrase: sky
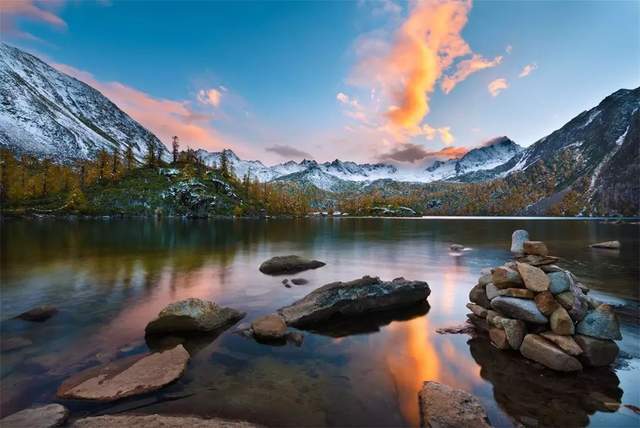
(369,81)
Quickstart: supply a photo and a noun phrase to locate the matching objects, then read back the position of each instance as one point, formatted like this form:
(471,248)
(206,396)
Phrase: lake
(110,277)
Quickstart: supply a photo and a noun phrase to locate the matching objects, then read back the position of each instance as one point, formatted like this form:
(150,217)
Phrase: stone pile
(533,306)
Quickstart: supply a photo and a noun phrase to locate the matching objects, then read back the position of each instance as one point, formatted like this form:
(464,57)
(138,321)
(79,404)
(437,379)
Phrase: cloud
(14,10)
(353,109)
(288,152)
(410,152)
(210,96)
(528,69)
(496,86)
(465,68)
(508,49)
(430,133)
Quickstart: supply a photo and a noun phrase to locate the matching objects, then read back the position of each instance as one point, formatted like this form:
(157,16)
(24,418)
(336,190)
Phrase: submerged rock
(157,421)
(517,241)
(456,247)
(536,248)
(126,377)
(597,352)
(445,407)
(522,309)
(39,314)
(288,264)
(534,278)
(49,416)
(610,245)
(193,315)
(540,350)
(356,297)
(566,343)
(601,323)
(269,327)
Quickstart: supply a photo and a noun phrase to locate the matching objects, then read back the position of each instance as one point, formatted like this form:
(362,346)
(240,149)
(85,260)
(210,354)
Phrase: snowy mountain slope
(48,113)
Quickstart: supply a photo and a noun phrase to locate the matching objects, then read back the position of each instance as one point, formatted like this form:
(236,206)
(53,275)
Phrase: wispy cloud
(288,152)
(508,49)
(528,69)
(497,86)
(210,96)
(465,68)
(11,11)
(412,153)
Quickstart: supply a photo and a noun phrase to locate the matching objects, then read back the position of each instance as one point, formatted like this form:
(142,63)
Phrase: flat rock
(492,291)
(542,351)
(536,248)
(522,309)
(288,264)
(39,314)
(597,352)
(521,293)
(610,245)
(126,377)
(269,327)
(478,295)
(299,281)
(534,278)
(539,261)
(518,237)
(601,323)
(157,421)
(506,277)
(566,343)
(465,328)
(498,338)
(477,310)
(49,416)
(551,268)
(14,343)
(514,330)
(193,315)
(352,298)
(546,303)
(442,406)
(559,282)
(561,323)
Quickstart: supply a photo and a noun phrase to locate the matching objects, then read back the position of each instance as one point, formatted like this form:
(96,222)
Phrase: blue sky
(275,80)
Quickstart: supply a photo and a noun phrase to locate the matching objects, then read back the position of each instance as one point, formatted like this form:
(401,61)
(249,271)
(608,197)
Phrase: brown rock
(157,421)
(546,303)
(536,248)
(566,299)
(465,328)
(515,330)
(478,295)
(477,310)
(269,327)
(479,323)
(540,350)
(499,338)
(597,352)
(445,407)
(288,264)
(534,278)
(561,322)
(49,416)
(521,293)
(493,318)
(505,277)
(193,315)
(566,343)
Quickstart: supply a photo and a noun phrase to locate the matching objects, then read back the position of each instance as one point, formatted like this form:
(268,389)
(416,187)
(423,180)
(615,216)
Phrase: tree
(151,155)
(129,158)
(159,153)
(224,164)
(175,145)
(103,161)
(115,161)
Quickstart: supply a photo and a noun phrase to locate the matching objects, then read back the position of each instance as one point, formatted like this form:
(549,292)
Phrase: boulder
(561,323)
(126,377)
(49,416)
(542,351)
(521,293)
(14,343)
(546,303)
(536,248)
(479,295)
(518,237)
(597,352)
(498,338)
(514,330)
(288,264)
(559,282)
(269,327)
(610,245)
(299,281)
(601,323)
(445,407)
(193,315)
(522,309)
(157,421)
(477,310)
(566,343)
(492,291)
(352,298)
(39,314)
(534,278)
(506,277)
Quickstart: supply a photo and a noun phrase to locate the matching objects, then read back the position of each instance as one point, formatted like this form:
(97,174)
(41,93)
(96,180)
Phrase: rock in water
(126,377)
(445,407)
(288,264)
(546,303)
(522,309)
(559,282)
(536,248)
(362,295)
(540,350)
(566,343)
(561,323)
(534,278)
(505,277)
(456,247)
(597,352)
(478,295)
(601,323)
(157,421)
(269,327)
(610,245)
(299,281)
(193,315)
(39,314)
(49,416)
(517,241)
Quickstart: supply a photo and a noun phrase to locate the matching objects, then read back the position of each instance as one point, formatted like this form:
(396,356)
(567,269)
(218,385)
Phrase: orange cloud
(465,68)
(10,10)
(528,69)
(496,86)
(210,96)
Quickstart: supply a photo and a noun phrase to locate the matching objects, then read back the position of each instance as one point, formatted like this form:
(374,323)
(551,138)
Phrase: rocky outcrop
(157,421)
(445,407)
(39,314)
(193,316)
(345,299)
(49,416)
(288,264)
(126,377)
(609,245)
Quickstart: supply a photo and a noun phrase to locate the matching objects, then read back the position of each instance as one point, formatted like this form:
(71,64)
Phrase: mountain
(48,113)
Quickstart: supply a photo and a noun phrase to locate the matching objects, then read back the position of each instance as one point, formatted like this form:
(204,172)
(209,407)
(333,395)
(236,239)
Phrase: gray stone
(601,323)
(559,282)
(566,343)
(515,330)
(354,298)
(597,352)
(609,245)
(551,268)
(534,278)
(517,240)
(288,264)
(157,421)
(466,328)
(542,351)
(492,291)
(49,416)
(561,323)
(522,309)
(479,295)
(444,407)
(193,315)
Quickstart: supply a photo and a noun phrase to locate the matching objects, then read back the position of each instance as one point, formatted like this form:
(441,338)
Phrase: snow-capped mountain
(48,113)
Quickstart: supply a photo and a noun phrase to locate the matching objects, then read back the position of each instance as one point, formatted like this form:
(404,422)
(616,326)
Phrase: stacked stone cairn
(533,306)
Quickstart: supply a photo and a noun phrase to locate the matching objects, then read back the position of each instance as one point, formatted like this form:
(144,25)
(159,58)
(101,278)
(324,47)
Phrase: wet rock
(601,323)
(559,282)
(597,352)
(126,377)
(610,245)
(522,309)
(193,315)
(498,338)
(521,293)
(479,323)
(491,291)
(561,323)
(14,343)
(157,421)
(465,328)
(39,314)
(356,297)
(299,281)
(445,407)
(269,327)
(506,277)
(514,330)
(542,351)
(288,264)
(546,303)
(296,338)
(49,416)
(477,310)
(518,237)
(478,295)
(534,278)
(456,247)
(536,248)
(566,343)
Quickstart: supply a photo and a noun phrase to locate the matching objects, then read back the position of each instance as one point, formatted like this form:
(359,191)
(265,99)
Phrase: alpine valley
(588,167)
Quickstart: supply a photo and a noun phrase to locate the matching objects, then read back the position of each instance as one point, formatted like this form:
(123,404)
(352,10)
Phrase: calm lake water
(110,278)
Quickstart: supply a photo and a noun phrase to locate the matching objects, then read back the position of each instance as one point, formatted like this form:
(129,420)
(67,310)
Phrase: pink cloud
(528,69)
(497,86)
(12,10)
(465,68)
